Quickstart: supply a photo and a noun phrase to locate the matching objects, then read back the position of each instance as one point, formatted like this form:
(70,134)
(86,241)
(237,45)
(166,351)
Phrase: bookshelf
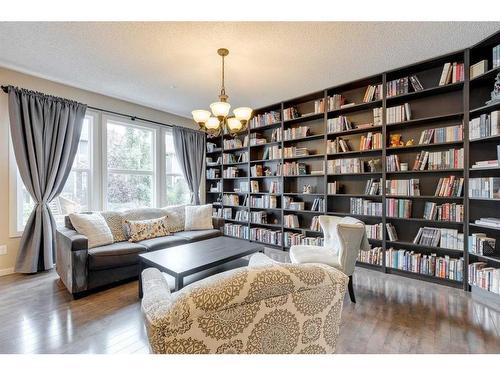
(313,129)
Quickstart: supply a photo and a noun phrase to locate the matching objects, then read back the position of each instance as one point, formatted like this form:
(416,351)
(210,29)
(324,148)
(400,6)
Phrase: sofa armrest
(71,259)
(218,222)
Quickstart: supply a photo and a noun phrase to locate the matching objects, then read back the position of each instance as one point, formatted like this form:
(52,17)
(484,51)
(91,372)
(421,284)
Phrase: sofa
(82,269)
(266,307)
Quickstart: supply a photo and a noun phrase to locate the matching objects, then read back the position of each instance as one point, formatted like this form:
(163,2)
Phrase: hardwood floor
(392,315)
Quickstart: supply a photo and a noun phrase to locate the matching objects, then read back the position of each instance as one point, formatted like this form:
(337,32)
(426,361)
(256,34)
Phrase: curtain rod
(5,89)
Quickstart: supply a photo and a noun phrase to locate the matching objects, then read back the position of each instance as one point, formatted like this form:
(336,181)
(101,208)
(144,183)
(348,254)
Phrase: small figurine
(373,164)
(495,94)
(411,142)
(307,189)
(396,140)
(267,171)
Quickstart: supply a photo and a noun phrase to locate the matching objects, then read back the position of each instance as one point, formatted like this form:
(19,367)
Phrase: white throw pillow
(94,227)
(199,217)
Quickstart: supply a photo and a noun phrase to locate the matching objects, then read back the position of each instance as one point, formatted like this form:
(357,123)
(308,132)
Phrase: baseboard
(7,271)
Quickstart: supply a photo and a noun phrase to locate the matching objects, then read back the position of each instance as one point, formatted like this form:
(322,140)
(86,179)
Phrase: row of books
(496,56)
(491,222)
(290,152)
(269,236)
(218,212)
(236,230)
(257,217)
(484,277)
(240,215)
(335,101)
(230,144)
(338,145)
(450,159)
(360,206)
(373,92)
(230,172)
(440,135)
(372,141)
(452,73)
(274,187)
(442,237)
(257,170)
(315,226)
(290,113)
(254,187)
(481,244)
(398,208)
(453,212)
(450,186)
(374,231)
(255,139)
(292,169)
(484,187)
(290,204)
(294,133)
(373,187)
(338,124)
(318,205)
(232,200)
(391,232)
(264,201)
(401,86)
(398,113)
(272,153)
(409,187)
(216,187)
(213,173)
(333,187)
(349,165)
(319,106)
(291,221)
(487,163)
(377,116)
(290,239)
(264,119)
(372,256)
(432,265)
(485,125)
(235,158)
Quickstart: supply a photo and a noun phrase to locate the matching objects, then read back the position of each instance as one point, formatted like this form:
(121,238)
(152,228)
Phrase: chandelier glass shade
(219,120)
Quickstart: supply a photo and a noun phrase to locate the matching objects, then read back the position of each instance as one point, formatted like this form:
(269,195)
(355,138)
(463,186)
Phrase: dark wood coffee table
(184,260)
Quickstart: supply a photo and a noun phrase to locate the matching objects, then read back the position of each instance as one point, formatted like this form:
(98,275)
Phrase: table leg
(141,268)
(179,283)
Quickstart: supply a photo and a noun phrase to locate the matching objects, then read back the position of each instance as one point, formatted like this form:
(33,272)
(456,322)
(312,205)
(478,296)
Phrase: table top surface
(190,258)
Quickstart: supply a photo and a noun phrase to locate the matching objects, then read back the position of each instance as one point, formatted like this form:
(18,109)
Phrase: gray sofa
(82,269)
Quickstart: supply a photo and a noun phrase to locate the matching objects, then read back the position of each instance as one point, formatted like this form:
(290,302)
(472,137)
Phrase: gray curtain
(45,133)
(190,151)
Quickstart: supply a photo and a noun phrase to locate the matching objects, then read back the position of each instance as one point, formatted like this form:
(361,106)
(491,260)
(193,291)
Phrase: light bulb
(220,109)
(234,124)
(243,113)
(212,123)
(201,116)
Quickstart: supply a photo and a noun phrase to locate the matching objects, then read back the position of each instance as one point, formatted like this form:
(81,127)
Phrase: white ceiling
(173,66)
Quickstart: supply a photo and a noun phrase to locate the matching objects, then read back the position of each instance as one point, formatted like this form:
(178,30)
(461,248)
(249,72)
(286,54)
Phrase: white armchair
(344,237)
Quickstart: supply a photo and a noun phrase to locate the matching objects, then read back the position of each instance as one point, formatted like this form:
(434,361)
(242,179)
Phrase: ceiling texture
(174,66)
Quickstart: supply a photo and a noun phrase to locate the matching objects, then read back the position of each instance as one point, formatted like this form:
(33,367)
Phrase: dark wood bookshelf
(433,107)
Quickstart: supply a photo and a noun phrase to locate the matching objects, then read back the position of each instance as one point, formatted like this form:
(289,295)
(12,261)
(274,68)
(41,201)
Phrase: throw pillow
(94,227)
(176,217)
(145,229)
(199,217)
(115,224)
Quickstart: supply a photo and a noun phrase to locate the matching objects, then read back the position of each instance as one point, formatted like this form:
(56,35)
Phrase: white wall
(10,77)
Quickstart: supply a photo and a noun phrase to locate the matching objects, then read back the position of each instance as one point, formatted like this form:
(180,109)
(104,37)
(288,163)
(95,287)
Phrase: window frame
(104,159)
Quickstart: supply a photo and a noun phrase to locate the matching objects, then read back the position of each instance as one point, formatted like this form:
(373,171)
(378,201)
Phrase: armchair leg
(351,290)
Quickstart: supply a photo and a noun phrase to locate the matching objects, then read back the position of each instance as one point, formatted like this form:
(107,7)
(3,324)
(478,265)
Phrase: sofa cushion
(115,224)
(94,227)
(176,217)
(118,254)
(158,243)
(198,235)
(198,217)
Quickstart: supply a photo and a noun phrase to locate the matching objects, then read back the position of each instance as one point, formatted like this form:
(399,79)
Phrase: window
(130,160)
(177,191)
(120,164)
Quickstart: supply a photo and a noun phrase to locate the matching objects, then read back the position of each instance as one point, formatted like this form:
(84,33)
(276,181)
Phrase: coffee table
(184,260)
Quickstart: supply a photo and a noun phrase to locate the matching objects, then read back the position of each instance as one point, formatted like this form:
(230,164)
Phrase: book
(484,187)
(391,232)
(478,68)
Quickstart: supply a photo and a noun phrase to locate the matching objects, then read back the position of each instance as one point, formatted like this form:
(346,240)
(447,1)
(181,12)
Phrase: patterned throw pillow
(94,227)
(145,229)
(199,217)
(115,224)
(176,217)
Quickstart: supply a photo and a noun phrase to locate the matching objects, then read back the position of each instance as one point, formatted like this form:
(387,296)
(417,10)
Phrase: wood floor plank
(392,315)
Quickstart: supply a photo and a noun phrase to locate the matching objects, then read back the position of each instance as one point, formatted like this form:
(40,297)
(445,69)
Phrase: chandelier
(218,121)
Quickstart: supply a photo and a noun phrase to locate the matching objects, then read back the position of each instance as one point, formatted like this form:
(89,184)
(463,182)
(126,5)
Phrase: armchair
(344,237)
